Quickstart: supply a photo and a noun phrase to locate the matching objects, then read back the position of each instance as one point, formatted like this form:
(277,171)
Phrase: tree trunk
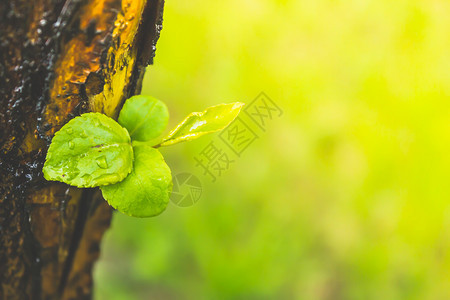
(58,59)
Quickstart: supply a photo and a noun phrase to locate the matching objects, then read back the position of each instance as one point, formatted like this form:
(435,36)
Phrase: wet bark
(58,59)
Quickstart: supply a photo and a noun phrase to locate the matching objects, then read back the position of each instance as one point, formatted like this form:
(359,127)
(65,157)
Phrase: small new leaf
(90,150)
(146,191)
(144,117)
(213,119)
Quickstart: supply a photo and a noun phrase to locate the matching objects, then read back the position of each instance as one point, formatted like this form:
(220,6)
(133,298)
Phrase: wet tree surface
(59,59)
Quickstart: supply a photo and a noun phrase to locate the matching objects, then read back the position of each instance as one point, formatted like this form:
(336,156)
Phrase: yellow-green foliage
(346,196)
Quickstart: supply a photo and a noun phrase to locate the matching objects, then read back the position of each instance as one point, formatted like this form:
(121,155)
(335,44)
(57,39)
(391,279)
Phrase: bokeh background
(345,196)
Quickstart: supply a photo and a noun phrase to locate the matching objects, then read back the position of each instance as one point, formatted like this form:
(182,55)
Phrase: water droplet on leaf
(110,178)
(86,177)
(101,162)
(71,145)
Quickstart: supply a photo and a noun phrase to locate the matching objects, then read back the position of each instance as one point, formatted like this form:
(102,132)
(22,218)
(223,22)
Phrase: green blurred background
(345,196)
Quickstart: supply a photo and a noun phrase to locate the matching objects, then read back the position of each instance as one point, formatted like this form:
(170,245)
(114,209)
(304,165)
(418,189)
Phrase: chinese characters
(220,154)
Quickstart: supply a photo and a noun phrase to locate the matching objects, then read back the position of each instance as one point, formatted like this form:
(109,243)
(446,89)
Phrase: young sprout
(121,157)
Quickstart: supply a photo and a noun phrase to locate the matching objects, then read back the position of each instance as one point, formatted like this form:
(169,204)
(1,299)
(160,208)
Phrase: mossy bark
(58,59)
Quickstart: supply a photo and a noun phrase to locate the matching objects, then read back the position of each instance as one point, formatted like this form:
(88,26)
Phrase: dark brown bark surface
(58,59)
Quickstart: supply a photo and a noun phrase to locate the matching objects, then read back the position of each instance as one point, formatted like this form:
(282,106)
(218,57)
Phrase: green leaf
(213,119)
(90,150)
(144,117)
(146,191)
